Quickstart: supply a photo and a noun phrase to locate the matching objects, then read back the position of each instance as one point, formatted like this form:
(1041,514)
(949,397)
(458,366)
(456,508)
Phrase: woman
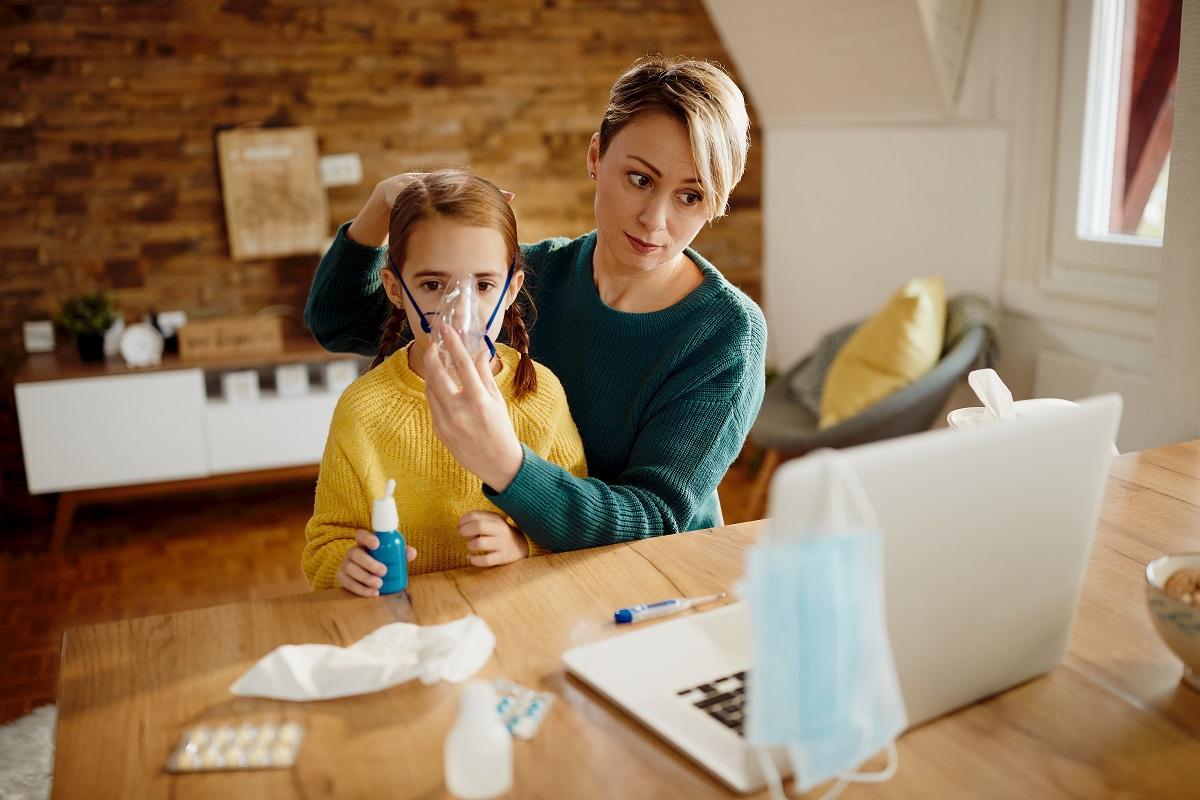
(661,358)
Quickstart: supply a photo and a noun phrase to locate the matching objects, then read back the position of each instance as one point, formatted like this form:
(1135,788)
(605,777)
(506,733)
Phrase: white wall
(850,214)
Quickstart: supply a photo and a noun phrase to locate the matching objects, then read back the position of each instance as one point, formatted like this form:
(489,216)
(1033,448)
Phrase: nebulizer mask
(464,309)
(824,688)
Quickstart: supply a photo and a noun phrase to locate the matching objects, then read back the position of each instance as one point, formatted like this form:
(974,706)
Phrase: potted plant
(88,317)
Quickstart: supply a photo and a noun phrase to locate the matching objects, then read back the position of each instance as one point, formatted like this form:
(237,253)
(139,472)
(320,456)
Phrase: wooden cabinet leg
(63,515)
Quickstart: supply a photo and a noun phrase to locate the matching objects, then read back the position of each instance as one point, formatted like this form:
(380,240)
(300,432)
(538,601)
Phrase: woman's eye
(431,286)
(485,286)
(690,198)
(639,180)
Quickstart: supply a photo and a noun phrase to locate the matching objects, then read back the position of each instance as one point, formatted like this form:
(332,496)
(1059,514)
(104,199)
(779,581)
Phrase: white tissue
(387,656)
(992,392)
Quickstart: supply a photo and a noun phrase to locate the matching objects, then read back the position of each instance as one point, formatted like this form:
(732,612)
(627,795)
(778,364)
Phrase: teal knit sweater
(663,400)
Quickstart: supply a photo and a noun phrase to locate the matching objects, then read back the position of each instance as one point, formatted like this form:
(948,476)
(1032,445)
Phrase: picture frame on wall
(270,184)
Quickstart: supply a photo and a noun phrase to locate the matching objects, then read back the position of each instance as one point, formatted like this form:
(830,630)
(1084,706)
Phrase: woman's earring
(592,175)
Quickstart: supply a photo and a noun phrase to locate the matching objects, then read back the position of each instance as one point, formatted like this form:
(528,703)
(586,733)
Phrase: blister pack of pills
(522,709)
(205,748)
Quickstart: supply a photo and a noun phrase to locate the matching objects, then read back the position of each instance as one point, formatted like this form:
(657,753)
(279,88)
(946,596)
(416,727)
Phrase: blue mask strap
(424,322)
(503,293)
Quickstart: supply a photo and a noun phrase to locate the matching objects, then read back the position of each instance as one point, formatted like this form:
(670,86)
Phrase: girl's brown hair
(470,200)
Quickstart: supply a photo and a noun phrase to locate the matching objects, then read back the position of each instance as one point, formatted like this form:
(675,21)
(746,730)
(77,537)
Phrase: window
(1127,125)
(1120,60)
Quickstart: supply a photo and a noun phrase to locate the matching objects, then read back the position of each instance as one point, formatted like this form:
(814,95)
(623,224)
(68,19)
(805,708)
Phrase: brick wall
(108,173)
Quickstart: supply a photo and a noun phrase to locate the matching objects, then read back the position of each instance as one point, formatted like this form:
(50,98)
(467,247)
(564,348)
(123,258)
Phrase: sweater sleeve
(678,459)
(338,511)
(347,306)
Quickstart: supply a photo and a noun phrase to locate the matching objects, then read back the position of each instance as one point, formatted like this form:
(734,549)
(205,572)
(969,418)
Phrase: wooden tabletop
(1112,720)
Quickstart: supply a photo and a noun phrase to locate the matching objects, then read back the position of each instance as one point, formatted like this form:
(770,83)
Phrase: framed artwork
(274,203)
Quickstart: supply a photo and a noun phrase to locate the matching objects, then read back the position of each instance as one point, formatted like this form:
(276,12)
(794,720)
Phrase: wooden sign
(232,336)
(274,203)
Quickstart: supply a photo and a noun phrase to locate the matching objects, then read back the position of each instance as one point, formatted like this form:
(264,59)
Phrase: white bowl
(1178,623)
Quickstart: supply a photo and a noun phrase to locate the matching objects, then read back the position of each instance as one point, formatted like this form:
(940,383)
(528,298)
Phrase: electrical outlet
(343,169)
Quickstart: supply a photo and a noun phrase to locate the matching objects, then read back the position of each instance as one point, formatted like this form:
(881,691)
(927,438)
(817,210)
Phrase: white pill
(259,757)
(200,735)
(226,734)
(213,759)
(234,757)
(246,734)
(291,733)
(282,755)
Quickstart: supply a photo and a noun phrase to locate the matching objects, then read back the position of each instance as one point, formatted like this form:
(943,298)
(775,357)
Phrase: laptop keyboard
(723,699)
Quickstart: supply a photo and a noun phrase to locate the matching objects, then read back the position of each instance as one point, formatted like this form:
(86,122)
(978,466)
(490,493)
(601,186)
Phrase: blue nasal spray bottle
(392,551)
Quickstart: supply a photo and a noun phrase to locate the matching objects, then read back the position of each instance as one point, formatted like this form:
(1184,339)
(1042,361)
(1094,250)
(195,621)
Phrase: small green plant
(93,313)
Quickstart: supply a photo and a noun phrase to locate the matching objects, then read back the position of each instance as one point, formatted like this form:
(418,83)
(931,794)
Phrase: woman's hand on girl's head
(370,227)
(472,422)
(359,572)
(491,540)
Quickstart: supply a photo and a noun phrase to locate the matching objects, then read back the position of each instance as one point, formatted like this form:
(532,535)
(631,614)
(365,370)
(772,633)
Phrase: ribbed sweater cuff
(532,490)
(354,259)
(326,575)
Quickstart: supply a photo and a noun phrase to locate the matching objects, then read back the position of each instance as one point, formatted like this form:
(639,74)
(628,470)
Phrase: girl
(443,225)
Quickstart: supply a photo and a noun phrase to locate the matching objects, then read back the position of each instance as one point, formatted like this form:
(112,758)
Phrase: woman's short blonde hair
(702,96)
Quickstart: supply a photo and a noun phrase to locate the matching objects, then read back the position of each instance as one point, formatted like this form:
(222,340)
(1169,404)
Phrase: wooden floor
(153,556)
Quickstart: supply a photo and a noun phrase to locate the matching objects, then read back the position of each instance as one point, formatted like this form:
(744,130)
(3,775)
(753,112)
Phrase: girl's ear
(514,288)
(392,287)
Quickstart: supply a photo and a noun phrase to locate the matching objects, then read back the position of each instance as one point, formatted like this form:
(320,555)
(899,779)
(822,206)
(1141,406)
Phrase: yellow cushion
(887,352)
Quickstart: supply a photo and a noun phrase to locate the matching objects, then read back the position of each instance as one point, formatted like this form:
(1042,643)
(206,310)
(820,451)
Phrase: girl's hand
(361,574)
(370,227)
(491,540)
(472,422)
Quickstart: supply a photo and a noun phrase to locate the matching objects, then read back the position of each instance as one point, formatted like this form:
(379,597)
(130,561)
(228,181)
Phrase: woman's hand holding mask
(473,421)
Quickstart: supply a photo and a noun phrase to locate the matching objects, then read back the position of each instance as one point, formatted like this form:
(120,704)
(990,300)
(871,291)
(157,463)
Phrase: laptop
(987,534)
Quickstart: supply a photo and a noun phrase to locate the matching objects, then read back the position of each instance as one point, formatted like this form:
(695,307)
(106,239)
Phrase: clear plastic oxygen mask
(462,309)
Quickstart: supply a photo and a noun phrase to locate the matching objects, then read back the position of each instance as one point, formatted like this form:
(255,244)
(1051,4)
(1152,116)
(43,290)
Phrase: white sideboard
(91,427)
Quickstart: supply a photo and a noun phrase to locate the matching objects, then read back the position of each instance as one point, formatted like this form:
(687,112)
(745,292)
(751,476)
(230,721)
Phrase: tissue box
(340,374)
(240,387)
(291,380)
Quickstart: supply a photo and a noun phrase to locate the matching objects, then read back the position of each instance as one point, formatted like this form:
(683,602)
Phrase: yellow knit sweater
(382,429)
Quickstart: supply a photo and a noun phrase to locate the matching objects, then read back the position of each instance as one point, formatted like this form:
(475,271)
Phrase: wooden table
(1112,720)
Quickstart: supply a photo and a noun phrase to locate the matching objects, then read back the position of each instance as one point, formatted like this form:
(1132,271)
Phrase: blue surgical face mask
(824,685)
(424,316)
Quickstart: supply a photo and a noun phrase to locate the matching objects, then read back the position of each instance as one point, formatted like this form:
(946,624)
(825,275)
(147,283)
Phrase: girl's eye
(639,180)
(690,198)
(485,286)
(431,286)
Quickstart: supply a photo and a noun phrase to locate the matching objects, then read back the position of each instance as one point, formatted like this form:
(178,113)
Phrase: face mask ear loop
(770,772)
(396,271)
(499,303)
(885,774)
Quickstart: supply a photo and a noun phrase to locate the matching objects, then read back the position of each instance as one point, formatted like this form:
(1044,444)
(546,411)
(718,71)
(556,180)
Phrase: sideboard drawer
(110,431)
(267,433)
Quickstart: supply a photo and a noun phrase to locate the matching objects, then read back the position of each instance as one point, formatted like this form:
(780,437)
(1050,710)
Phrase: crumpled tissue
(389,655)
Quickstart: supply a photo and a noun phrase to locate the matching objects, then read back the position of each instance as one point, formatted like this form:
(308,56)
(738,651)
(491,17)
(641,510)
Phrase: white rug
(27,755)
